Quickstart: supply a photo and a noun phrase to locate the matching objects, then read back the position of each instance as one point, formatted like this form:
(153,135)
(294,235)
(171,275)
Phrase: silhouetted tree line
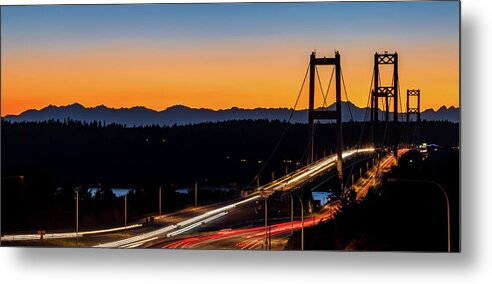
(56,157)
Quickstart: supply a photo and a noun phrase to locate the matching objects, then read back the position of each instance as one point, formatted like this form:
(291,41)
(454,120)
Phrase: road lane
(191,219)
(180,227)
(255,237)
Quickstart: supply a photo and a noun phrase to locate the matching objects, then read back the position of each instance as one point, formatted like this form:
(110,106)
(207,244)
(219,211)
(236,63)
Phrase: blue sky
(62,54)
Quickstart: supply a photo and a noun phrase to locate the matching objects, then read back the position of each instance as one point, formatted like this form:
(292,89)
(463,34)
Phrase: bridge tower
(386,93)
(413,110)
(326,114)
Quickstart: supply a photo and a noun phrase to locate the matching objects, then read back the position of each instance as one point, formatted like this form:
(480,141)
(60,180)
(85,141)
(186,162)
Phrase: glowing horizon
(220,56)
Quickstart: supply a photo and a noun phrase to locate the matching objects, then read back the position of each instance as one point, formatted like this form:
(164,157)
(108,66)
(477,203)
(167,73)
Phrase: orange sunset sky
(219,56)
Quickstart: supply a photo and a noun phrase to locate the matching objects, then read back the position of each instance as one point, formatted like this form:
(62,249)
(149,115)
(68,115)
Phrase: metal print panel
(248,126)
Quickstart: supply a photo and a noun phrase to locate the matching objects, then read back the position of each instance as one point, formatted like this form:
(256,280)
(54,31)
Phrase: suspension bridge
(245,223)
(268,215)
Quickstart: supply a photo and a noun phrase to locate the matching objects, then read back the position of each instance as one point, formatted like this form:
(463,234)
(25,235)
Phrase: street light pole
(302,223)
(291,214)
(160,200)
(77,218)
(196,194)
(266,222)
(126,198)
(269,237)
(302,226)
(392,180)
(314,216)
(265,196)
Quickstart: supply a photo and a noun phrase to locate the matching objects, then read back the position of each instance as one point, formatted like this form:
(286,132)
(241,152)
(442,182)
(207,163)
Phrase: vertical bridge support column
(326,114)
(385,92)
(413,111)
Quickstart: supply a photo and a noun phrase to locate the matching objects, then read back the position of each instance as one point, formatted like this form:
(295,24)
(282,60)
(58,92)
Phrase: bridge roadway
(240,212)
(256,237)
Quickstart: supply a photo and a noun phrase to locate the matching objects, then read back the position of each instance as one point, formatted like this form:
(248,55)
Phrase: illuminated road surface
(256,237)
(285,183)
(178,228)
(25,237)
(309,172)
(252,238)
(374,174)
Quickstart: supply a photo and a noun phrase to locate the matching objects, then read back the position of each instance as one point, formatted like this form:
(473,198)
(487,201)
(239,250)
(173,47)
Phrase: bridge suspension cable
(287,123)
(325,95)
(403,133)
(346,95)
(291,175)
(386,109)
(364,122)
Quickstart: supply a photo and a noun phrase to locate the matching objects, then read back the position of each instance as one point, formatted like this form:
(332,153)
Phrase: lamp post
(196,194)
(265,196)
(394,180)
(126,202)
(302,223)
(77,217)
(160,200)
(266,223)
(291,214)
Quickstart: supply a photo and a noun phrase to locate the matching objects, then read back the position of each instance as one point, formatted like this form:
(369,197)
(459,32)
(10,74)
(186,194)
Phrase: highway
(253,237)
(24,237)
(235,224)
(175,229)
(229,214)
(239,212)
(318,168)
(373,175)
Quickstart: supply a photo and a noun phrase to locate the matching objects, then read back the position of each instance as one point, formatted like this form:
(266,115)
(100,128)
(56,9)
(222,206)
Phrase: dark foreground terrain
(401,216)
(44,163)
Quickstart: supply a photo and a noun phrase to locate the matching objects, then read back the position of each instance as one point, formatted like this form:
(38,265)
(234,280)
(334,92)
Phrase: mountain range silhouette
(182,115)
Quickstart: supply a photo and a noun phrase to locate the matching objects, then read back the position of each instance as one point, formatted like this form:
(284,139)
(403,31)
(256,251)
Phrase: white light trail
(311,170)
(308,171)
(175,233)
(25,237)
(194,221)
(138,238)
